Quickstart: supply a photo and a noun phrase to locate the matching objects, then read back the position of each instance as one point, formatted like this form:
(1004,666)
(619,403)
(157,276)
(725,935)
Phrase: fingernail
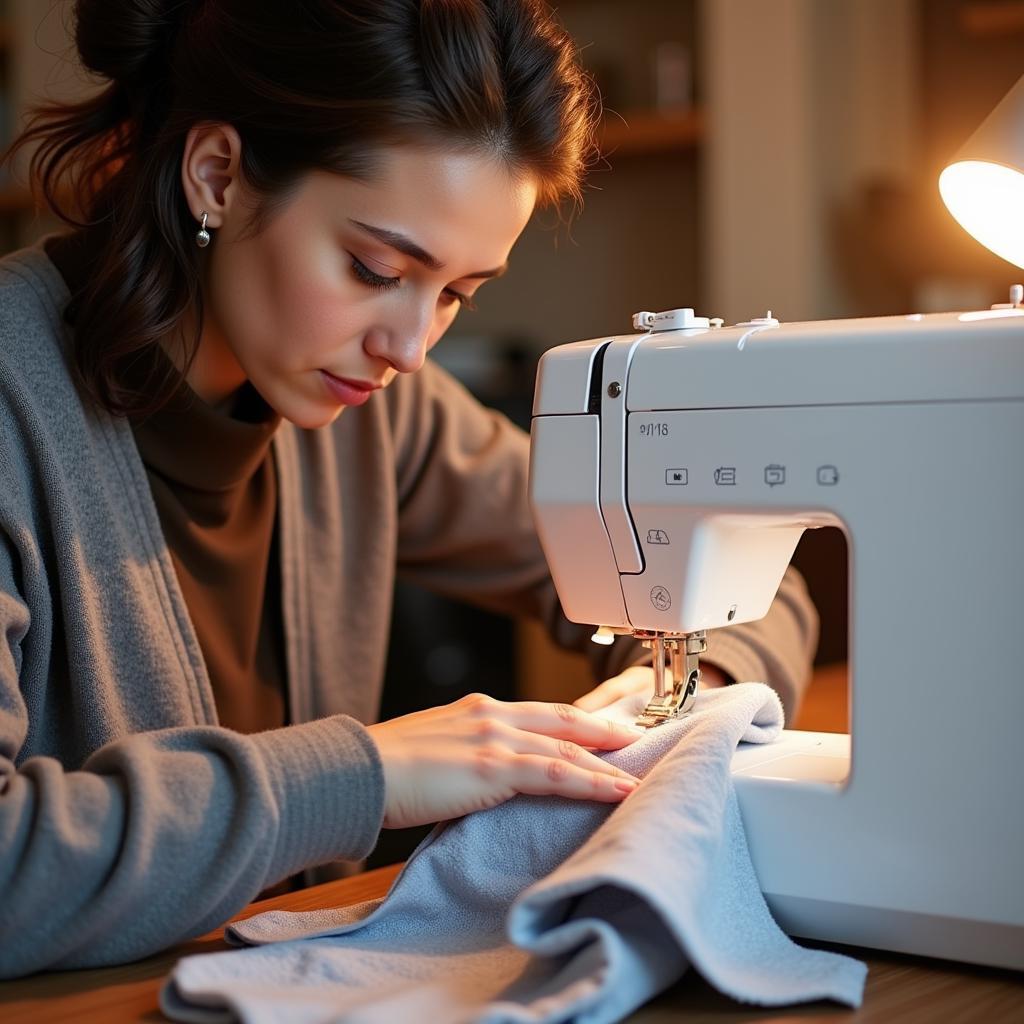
(624,786)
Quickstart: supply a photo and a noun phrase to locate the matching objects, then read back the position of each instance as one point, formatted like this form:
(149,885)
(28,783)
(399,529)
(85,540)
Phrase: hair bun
(120,39)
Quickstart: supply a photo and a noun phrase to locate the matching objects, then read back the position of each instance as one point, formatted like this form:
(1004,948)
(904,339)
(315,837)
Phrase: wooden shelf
(640,132)
(988,18)
(17,199)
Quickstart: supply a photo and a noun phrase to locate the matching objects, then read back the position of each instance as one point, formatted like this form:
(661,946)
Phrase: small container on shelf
(673,77)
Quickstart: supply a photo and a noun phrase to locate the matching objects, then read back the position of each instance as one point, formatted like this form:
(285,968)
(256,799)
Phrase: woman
(285,206)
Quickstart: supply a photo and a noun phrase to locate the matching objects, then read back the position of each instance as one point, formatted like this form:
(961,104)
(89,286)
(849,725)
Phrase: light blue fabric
(544,910)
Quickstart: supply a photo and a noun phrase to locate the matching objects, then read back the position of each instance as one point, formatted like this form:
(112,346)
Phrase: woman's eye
(464,301)
(382,283)
(368,277)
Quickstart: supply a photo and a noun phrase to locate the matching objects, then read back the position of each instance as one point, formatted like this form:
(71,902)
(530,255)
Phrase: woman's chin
(302,410)
(311,419)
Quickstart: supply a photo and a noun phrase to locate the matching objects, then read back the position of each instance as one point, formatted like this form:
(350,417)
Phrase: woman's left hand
(627,694)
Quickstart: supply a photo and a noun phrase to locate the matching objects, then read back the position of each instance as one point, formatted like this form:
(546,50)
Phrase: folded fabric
(544,909)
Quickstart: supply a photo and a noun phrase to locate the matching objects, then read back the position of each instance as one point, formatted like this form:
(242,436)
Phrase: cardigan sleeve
(466,531)
(158,836)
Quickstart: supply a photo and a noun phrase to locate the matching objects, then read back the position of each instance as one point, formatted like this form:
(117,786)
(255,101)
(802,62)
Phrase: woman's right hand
(478,752)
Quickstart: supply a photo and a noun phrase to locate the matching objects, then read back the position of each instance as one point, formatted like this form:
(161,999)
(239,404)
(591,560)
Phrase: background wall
(37,63)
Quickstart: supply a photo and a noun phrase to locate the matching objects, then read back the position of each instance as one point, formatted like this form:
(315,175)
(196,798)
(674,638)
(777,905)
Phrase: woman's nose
(403,346)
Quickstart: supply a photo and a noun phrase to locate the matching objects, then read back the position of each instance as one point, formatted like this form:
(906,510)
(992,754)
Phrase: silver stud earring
(202,235)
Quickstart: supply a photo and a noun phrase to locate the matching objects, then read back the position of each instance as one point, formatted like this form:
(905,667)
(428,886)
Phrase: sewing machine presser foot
(683,651)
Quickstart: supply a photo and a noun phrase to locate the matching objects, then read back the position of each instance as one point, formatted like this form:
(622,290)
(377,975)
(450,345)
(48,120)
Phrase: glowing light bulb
(988,201)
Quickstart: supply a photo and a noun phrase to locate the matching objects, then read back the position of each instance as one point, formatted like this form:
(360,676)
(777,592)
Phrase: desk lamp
(983,186)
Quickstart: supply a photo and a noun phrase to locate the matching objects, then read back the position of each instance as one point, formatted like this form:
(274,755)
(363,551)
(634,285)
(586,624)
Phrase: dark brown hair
(309,85)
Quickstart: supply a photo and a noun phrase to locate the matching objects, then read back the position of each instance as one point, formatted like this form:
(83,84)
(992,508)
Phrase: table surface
(899,988)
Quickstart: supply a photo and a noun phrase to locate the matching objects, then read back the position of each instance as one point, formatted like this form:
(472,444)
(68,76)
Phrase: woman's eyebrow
(406,245)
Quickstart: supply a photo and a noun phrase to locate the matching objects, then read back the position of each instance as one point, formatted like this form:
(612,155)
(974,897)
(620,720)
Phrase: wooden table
(899,988)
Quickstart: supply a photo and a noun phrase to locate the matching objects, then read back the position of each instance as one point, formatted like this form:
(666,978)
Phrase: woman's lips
(348,392)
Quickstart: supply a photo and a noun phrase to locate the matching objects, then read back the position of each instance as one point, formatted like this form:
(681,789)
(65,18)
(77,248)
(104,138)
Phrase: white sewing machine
(673,472)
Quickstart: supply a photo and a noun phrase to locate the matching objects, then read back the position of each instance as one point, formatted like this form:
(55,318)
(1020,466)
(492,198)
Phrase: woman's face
(352,283)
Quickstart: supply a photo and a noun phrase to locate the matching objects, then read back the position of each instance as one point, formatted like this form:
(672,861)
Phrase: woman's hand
(478,752)
(625,696)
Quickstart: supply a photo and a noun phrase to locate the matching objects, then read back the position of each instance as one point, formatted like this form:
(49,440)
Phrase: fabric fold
(544,910)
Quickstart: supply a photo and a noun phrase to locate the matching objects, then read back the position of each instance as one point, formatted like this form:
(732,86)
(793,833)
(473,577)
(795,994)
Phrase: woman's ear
(209,170)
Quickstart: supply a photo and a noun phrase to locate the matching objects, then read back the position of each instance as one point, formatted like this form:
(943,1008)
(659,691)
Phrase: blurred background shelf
(642,132)
(15,199)
(992,17)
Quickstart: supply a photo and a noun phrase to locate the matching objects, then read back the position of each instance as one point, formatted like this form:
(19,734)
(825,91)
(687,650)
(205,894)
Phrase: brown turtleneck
(214,484)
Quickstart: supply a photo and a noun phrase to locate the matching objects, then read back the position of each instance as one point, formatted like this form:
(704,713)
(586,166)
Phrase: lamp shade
(983,187)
